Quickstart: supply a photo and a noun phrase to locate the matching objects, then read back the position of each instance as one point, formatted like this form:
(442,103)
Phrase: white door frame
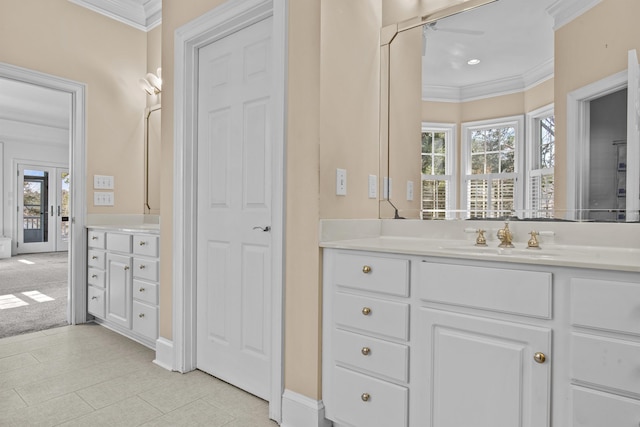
(219,22)
(579,141)
(77,301)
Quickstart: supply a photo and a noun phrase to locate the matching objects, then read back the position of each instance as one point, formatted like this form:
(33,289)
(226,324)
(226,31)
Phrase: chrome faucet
(505,237)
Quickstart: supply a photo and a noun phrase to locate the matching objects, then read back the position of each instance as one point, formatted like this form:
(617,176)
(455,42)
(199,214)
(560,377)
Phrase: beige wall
(59,38)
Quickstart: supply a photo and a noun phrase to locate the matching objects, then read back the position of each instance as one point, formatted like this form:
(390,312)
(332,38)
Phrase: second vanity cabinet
(429,341)
(123,270)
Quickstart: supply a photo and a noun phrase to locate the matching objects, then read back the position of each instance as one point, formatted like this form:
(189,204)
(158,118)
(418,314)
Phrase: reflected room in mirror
(490,112)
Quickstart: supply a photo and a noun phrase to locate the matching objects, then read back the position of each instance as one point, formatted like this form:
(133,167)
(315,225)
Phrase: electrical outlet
(409,190)
(341,182)
(373,186)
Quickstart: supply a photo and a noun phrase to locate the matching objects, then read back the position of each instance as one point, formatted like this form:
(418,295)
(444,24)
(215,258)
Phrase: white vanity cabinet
(605,351)
(123,282)
(419,342)
(366,332)
(474,368)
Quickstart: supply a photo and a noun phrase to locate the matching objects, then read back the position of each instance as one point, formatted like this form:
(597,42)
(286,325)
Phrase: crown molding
(565,11)
(490,89)
(141,14)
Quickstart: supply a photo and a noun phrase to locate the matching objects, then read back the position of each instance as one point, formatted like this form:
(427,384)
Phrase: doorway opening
(65,232)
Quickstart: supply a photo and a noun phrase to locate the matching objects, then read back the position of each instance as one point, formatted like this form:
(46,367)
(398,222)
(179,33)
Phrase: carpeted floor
(45,273)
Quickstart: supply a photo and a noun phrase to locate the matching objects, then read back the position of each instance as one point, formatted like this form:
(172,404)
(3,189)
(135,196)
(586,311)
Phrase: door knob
(366,269)
(539,357)
(265,229)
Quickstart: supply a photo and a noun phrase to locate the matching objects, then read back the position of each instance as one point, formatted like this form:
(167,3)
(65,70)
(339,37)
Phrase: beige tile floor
(87,375)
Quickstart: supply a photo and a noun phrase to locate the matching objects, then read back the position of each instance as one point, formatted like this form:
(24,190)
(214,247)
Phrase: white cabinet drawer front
(371,273)
(145,320)
(596,409)
(119,242)
(365,401)
(96,259)
(606,362)
(526,293)
(95,301)
(145,269)
(606,305)
(371,354)
(95,277)
(145,291)
(145,244)
(374,315)
(95,239)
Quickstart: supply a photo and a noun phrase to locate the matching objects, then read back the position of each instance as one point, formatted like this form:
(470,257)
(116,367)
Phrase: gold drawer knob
(365,397)
(141,315)
(142,267)
(94,237)
(142,243)
(94,257)
(539,357)
(366,311)
(94,297)
(142,289)
(366,351)
(126,267)
(94,276)
(366,269)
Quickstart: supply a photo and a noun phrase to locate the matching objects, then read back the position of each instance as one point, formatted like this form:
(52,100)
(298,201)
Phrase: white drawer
(608,305)
(145,269)
(95,277)
(145,320)
(371,354)
(95,259)
(527,293)
(95,301)
(606,362)
(95,239)
(145,244)
(597,409)
(375,315)
(119,242)
(145,291)
(372,273)
(385,404)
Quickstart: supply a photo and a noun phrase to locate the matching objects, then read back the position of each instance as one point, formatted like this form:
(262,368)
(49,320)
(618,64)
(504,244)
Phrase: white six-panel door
(233,209)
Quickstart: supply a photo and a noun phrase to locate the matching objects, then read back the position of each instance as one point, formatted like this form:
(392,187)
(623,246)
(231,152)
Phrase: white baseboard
(302,411)
(164,354)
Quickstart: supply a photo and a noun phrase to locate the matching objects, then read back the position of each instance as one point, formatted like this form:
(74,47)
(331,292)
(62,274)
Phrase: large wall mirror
(512,108)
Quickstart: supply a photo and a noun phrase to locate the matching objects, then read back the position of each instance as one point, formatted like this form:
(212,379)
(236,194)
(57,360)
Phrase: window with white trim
(540,163)
(438,171)
(491,167)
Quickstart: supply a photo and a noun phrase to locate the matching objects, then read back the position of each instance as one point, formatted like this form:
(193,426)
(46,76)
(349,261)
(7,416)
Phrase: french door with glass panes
(43,208)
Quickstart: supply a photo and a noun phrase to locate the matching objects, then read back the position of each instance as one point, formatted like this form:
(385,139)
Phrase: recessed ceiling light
(473,61)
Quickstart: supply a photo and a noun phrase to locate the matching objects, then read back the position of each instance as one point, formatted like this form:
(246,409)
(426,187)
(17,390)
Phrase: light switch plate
(341,182)
(373,186)
(409,190)
(103,198)
(103,182)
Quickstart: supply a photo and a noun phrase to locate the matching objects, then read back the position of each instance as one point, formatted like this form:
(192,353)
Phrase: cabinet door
(119,291)
(480,372)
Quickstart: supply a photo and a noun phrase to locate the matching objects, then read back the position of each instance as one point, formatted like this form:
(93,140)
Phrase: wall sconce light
(153,83)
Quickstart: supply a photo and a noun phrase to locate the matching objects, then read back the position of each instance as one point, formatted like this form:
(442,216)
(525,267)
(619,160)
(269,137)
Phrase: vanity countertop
(128,228)
(556,251)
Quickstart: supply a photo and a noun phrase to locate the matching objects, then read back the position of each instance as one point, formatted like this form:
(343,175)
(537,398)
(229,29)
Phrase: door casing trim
(77,301)
(219,22)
